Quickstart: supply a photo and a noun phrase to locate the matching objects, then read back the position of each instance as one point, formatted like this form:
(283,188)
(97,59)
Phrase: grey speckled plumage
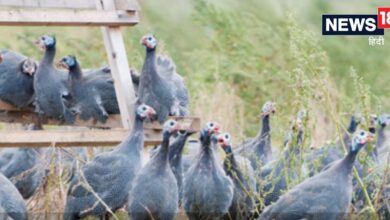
(176,159)
(148,200)
(86,97)
(207,190)
(382,140)
(274,180)
(11,202)
(326,195)
(243,177)
(318,159)
(259,149)
(16,78)
(25,167)
(158,85)
(109,174)
(51,94)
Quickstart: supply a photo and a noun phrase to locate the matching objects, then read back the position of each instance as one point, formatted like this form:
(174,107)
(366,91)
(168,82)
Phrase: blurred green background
(235,55)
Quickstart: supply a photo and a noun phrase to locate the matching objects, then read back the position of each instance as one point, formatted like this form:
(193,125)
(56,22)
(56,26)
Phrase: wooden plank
(46,138)
(25,117)
(116,52)
(191,124)
(71,4)
(128,5)
(7,106)
(57,17)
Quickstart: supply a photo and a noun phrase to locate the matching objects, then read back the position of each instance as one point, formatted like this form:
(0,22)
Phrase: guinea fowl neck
(381,136)
(264,136)
(350,158)
(265,127)
(231,160)
(176,149)
(231,168)
(150,63)
(75,72)
(161,158)
(297,149)
(134,138)
(353,124)
(50,53)
(205,140)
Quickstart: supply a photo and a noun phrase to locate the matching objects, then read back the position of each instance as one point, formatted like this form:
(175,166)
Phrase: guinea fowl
(24,167)
(258,150)
(242,206)
(277,175)
(320,158)
(86,98)
(326,195)
(207,190)
(52,96)
(148,200)
(175,159)
(11,202)
(159,84)
(187,159)
(104,84)
(384,121)
(109,175)
(16,78)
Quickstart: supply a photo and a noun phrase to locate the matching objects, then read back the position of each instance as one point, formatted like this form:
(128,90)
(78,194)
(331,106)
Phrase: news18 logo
(356,24)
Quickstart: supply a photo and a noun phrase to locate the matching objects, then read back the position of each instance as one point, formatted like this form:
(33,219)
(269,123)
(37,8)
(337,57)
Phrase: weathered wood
(117,57)
(69,4)
(7,106)
(46,138)
(57,17)
(25,117)
(191,124)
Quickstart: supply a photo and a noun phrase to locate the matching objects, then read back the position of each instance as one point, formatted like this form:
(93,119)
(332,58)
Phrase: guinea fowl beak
(40,44)
(30,71)
(216,129)
(61,64)
(370,137)
(151,113)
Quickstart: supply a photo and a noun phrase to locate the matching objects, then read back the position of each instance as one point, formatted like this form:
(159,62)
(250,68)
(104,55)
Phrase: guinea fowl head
(224,140)
(268,108)
(373,123)
(212,128)
(360,138)
(171,127)
(149,41)
(384,120)
(46,42)
(68,62)
(145,112)
(29,67)
(209,130)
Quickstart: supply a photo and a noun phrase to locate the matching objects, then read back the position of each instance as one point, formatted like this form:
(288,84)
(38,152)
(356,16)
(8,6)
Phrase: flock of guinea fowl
(252,180)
